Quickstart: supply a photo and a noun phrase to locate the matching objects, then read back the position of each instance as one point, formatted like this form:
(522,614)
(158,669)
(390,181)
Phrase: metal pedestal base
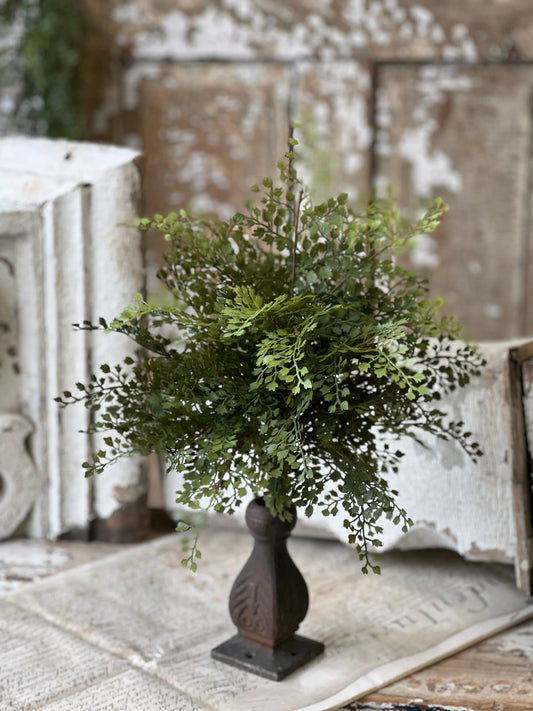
(271,664)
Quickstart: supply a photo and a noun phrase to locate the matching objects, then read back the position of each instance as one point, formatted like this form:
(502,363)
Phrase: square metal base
(272,664)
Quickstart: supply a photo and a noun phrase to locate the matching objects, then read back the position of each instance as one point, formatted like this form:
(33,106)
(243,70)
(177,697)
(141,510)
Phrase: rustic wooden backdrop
(433,97)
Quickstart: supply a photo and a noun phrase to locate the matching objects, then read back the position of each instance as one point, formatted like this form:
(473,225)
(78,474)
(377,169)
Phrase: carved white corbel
(19,480)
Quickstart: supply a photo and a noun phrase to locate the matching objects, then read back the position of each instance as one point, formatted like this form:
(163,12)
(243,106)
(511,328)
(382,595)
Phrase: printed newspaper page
(138,620)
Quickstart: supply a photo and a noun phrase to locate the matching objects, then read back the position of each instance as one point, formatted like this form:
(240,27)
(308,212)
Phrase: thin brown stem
(221,478)
(295,242)
(338,285)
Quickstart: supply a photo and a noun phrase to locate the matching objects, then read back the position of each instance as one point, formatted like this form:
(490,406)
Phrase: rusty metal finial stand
(267,602)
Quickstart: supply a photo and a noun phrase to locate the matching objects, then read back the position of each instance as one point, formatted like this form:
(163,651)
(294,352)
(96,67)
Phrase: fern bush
(297,351)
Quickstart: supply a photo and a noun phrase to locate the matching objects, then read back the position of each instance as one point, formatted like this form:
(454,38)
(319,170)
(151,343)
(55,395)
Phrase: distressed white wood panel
(116,273)
(522,364)
(473,508)
(457,503)
(333,106)
(208,131)
(464,133)
(63,206)
(66,237)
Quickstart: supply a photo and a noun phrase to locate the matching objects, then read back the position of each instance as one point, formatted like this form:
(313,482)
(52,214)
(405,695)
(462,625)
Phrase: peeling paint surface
(456,503)
(460,133)
(333,60)
(240,29)
(334,131)
(209,133)
(432,169)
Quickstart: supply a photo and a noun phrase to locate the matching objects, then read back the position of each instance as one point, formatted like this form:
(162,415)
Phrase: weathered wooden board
(209,132)
(496,674)
(332,103)
(526,359)
(387,29)
(212,42)
(464,133)
(482,509)
(522,360)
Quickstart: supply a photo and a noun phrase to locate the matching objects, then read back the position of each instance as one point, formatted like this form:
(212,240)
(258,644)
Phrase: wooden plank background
(432,98)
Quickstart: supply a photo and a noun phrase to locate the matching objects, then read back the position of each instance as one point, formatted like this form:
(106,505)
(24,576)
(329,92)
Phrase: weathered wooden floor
(494,675)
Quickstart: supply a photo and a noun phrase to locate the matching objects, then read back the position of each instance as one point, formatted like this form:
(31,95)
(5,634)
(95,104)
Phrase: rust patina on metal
(268,601)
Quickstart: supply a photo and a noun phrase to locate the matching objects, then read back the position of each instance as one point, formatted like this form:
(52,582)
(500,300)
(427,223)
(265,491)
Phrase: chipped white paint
(200,173)
(467,48)
(406,31)
(243,29)
(455,502)
(437,34)
(250,118)
(474,267)
(61,205)
(423,19)
(212,33)
(242,8)
(201,155)
(431,168)
(333,107)
(383,148)
(132,78)
(129,12)
(425,252)
(110,106)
